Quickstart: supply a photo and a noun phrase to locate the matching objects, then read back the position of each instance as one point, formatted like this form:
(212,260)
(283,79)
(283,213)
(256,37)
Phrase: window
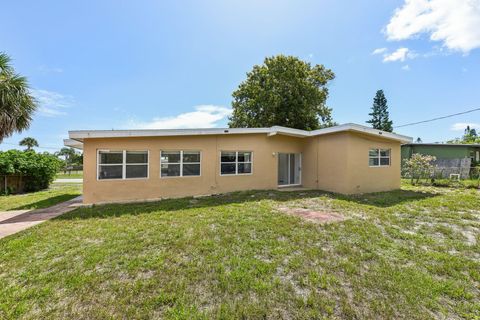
(122,164)
(179,163)
(235,162)
(379,157)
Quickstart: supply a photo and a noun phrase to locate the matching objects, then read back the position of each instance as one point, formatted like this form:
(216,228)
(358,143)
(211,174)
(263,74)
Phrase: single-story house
(137,165)
(450,158)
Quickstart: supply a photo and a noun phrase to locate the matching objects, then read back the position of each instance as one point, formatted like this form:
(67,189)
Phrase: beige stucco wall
(336,162)
(361,177)
(264,174)
(341,164)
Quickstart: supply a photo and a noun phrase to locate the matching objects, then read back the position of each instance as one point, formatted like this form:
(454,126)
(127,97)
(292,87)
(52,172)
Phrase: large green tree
(470,135)
(380,117)
(283,91)
(29,142)
(16,103)
(71,156)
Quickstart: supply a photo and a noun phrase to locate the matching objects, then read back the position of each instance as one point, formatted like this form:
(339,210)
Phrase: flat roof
(78,136)
(475,145)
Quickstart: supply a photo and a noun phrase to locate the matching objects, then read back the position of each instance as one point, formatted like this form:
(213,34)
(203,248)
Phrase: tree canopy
(470,136)
(28,142)
(380,118)
(16,103)
(283,91)
(71,156)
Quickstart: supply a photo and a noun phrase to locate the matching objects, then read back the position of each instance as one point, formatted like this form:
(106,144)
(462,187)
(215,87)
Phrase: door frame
(300,165)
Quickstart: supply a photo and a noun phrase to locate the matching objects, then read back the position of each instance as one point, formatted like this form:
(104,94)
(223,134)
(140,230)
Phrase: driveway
(17,220)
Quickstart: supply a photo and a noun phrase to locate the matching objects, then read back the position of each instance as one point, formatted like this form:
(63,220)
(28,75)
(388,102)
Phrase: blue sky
(148,64)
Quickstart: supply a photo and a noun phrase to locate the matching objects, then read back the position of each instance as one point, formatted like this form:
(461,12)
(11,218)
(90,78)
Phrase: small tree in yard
(418,166)
(380,117)
(29,143)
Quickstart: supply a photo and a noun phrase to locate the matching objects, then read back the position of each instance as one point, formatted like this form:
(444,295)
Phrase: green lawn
(36,200)
(411,254)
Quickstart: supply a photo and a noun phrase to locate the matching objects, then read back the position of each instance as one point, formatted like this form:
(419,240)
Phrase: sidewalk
(17,220)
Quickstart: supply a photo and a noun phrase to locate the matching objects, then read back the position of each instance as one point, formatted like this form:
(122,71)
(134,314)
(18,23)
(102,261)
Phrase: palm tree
(29,143)
(16,103)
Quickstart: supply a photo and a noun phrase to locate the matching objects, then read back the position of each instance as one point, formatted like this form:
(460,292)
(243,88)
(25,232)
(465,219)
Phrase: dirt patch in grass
(313,216)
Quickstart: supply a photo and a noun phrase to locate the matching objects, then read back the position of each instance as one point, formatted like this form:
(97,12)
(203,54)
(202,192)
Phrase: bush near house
(418,166)
(420,170)
(36,170)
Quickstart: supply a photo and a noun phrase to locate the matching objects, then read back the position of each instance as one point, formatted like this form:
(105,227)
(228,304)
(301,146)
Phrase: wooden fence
(12,184)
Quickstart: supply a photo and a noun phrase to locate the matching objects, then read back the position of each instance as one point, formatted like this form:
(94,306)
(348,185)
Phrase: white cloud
(204,116)
(401,54)
(51,104)
(379,51)
(456,23)
(461,126)
(406,67)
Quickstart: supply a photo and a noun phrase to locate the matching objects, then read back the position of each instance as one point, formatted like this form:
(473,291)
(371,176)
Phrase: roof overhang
(77,137)
(73,143)
(364,130)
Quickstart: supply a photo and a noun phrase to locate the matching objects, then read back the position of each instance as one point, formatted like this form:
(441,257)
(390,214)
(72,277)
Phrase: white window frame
(123,164)
(181,163)
(236,163)
(379,157)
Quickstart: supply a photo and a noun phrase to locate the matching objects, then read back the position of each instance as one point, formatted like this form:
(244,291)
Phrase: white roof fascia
(362,129)
(73,144)
(83,134)
(288,132)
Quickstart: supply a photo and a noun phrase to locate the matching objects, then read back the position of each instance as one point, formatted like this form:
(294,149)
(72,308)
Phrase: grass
(72,175)
(447,183)
(412,254)
(36,200)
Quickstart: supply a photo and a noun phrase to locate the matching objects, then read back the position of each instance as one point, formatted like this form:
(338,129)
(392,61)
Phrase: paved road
(17,220)
(68,181)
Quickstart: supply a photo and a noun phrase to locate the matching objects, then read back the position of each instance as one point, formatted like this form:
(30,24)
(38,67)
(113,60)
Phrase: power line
(439,118)
(17,145)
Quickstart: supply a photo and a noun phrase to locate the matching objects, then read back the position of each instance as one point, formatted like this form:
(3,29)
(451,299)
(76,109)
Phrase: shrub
(475,172)
(38,169)
(418,166)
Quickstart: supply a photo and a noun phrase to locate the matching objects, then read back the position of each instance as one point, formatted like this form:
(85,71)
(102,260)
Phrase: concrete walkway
(17,220)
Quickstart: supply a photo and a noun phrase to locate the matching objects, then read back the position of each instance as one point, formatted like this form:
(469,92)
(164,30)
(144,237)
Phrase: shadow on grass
(379,199)
(387,198)
(48,202)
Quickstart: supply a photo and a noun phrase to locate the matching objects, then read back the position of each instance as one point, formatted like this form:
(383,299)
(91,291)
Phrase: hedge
(38,169)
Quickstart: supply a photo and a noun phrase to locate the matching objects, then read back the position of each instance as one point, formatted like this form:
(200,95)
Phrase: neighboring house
(136,165)
(451,158)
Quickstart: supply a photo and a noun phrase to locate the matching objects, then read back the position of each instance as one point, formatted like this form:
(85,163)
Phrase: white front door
(289,169)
